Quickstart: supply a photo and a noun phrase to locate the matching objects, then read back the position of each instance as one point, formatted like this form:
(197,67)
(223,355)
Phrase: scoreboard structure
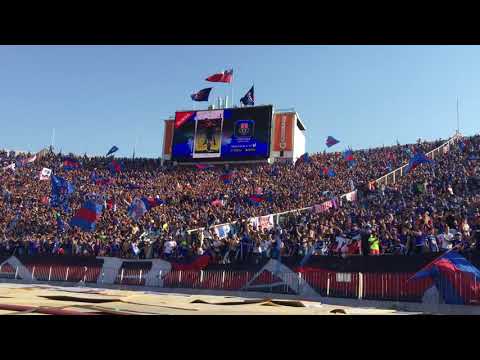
(233,135)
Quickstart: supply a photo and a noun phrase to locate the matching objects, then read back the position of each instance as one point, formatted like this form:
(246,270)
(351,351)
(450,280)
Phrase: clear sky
(365,96)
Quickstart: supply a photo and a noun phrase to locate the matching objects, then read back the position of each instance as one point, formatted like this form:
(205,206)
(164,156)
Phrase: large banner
(238,134)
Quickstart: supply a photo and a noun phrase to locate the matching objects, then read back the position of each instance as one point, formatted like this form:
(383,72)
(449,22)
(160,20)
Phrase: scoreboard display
(237,134)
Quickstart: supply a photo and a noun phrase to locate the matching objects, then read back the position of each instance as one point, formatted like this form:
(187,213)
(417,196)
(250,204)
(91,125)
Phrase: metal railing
(455,288)
(393,174)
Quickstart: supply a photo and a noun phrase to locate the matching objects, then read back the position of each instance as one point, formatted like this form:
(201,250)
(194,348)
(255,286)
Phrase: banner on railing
(223,230)
(331,204)
(351,196)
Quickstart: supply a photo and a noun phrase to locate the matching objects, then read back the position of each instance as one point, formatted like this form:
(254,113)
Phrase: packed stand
(195,198)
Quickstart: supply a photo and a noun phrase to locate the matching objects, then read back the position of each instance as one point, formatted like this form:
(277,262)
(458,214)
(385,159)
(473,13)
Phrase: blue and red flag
(456,279)
(97,180)
(202,95)
(305,158)
(204,167)
(71,164)
(331,172)
(331,141)
(256,199)
(226,178)
(87,216)
(348,155)
(152,202)
(115,167)
(417,159)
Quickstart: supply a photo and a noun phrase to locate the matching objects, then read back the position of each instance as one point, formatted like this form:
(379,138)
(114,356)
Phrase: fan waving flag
(417,159)
(202,95)
(249,98)
(71,164)
(331,141)
(225,77)
(115,167)
(112,150)
(87,216)
(137,209)
(348,155)
(61,191)
(226,178)
(151,202)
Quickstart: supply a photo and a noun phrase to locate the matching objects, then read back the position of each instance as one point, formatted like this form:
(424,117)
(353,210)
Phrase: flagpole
(458,119)
(53,138)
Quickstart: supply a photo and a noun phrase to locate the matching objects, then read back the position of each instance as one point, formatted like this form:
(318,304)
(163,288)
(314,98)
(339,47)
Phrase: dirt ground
(40,299)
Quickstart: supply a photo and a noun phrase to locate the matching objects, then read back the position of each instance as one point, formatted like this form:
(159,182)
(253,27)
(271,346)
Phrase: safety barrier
(393,175)
(457,287)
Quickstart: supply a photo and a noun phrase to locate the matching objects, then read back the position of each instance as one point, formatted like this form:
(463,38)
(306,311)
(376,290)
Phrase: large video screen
(238,134)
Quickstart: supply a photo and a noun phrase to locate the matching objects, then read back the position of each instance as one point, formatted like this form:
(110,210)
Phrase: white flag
(45,174)
(11,166)
(32,159)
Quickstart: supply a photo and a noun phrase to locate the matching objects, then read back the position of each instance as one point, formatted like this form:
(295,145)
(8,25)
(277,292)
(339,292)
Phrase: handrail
(448,142)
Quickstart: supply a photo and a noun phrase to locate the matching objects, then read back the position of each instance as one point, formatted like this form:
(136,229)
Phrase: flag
(226,178)
(45,174)
(11,167)
(61,191)
(137,209)
(204,167)
(348,155)
(453,276)
(417,159)
(101,181)
(71,164)
(152,202)
(305,158)
(225,77)
(87,216)
(331,172)
(331,141)
(115,167)
(112,150)
(256,199)
(223,230)
(202,95)
(249,98)
(325,171)
(30,160)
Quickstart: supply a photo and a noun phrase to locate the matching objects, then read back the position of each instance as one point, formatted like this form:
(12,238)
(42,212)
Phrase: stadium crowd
(433,208)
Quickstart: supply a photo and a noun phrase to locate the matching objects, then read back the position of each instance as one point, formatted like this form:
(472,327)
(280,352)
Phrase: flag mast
(53,138)
(458,119)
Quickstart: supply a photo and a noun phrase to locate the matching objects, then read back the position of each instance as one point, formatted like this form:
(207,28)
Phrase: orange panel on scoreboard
(283,136)
(167,145)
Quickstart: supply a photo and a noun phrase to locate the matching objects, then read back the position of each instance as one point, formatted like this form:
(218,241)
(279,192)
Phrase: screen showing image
(238,134)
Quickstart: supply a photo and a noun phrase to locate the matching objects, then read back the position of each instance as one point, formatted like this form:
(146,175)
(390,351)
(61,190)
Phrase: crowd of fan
(433,208)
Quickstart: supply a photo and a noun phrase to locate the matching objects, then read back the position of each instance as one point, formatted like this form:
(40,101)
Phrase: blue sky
(365,96)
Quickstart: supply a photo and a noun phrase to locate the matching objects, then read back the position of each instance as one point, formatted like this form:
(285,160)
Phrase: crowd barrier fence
(367,286)
(386,179)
